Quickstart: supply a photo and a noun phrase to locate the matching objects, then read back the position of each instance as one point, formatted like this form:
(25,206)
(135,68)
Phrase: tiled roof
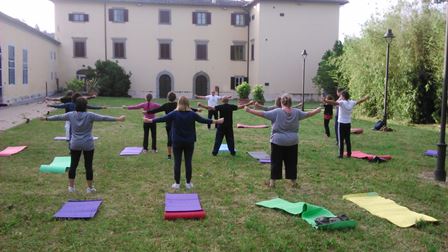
(218,3)
(27,28)
(340,2)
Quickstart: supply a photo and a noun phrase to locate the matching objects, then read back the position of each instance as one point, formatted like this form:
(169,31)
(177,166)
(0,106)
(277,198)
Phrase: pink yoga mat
(9,151)
(362,155)
(245,126)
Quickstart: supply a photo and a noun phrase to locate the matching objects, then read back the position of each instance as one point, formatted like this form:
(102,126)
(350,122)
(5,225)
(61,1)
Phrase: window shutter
(246,79)
(86,17)
(70,17)
(111,14)
(232,83)
(233,19)
(246,19)
(126,15)
(194,18)
(209,17)
(232,52)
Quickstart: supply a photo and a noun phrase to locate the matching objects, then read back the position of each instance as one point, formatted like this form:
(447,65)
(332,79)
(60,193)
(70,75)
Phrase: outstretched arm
(259,106)
(331,102)
(206,107)
(200,97)
(362,100)
(254,112)
(246,105)
(313,112)
(298,105)
(53,99)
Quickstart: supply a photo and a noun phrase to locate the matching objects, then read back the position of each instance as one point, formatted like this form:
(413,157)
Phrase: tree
(328,73)
(109,78)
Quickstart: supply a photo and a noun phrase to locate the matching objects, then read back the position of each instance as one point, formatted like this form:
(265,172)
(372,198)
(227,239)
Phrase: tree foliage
(110,78)
(327,72)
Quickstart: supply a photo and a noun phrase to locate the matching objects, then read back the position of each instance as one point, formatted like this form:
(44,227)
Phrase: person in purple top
(183,133)
(81,140)
(147,106)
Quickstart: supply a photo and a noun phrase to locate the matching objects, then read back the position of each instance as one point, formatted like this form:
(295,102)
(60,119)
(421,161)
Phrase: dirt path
(12,116)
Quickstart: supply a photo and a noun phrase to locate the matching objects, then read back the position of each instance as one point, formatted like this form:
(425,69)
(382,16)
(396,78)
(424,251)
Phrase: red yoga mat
(362,155)
(185,215)
(356,130)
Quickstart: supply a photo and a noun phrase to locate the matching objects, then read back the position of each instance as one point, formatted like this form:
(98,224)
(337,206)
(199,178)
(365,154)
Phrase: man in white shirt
(212,101)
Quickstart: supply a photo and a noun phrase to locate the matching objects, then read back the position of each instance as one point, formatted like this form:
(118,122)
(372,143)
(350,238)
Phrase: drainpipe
(248,45)
(105,30)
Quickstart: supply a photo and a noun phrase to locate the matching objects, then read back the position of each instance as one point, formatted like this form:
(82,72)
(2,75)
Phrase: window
(79,48)
(201,50)
(253,17)
(202,18)
(165,49)
(1,73)
(237,52)
(119,47)
(11,65)
(164,17)
(78,17)
(252,50)
(118,15)
(25,66)
(237,80)
(239,19)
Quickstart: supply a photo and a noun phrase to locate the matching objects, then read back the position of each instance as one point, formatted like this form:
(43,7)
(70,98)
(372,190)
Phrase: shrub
(111,79)
(258,94)
(75,85)
(243,90)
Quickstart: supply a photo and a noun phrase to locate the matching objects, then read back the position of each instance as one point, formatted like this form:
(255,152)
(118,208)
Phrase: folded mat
(9,151)
(63,138)
(356,130)
(78,209)
(387,209)
(310,213)
(59,165)
(131,151)
(265,161)
(362,155)
(245,126)
(183,206)
(224,148)
(431,153)
(259,155)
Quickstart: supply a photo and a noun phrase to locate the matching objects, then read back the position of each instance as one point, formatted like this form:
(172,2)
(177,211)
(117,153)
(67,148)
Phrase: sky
(41,13)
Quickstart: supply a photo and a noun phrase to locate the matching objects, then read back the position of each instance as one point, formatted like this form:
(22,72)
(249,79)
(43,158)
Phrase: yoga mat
(185,215)
(259,155)
(265,161)
(78,209)
(182,202)
(63,138)
(356,130)
(387,209)
(308,212)
(59,165)
(362,155)
(224,148)
(431,153)
(245,126)
(9,151)
(131,151)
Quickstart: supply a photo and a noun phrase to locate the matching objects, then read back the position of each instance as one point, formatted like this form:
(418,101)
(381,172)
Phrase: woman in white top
(345,108)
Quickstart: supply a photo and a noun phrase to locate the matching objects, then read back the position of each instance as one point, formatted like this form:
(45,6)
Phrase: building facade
(28,62)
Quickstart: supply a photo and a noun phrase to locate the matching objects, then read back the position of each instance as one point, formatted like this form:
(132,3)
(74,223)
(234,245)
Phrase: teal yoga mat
(308,213)
(59,165)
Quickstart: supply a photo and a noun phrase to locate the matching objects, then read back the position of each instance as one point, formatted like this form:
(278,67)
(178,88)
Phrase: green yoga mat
(308,212)
(59,165)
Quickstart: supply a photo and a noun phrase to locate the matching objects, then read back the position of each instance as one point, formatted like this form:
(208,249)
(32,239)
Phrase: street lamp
(304,54)
(388,36)
(440,173)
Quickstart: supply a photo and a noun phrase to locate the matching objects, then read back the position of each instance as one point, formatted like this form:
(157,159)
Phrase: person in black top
(226,129)
(328,114)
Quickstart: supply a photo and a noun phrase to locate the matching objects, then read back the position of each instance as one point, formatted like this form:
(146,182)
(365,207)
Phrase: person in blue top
(183,133)
(81,140)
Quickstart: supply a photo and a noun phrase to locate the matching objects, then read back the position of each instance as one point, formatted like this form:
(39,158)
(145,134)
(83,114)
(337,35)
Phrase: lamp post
(388,36)
(440,173)
(304,54)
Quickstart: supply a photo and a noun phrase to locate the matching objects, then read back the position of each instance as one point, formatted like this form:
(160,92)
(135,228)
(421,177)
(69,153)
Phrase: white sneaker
(90,190)
(71,189)
(188,185)
(175,186)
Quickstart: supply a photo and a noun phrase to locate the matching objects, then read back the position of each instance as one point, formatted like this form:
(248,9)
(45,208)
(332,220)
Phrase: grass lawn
(133,188)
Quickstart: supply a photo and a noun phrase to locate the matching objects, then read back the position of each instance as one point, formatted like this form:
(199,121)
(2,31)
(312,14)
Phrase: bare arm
(362,100)
(297,106)
(200,97)
(330,102)
(204,106)
(313,112)
(254,112)
(246,105)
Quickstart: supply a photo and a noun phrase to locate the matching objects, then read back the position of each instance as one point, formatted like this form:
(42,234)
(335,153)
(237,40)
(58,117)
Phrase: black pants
(146,127)
(344,136)
(168,134)
(187,149)
(222,132)
(326,126)
(336,127)
(211,113)
(88,163)
(286,154)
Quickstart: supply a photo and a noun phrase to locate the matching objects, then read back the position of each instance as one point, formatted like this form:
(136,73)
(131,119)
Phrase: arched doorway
(164,85)
(201,84)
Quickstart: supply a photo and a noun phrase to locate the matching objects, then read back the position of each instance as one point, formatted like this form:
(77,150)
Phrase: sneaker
(188,185)
(154,151)
(90,190)
(71,189)
(175,186)
(169,157)
(145,151)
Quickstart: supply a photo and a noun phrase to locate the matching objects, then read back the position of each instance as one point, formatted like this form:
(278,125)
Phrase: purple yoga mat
(131,151)
(182,202)
(259,155)
(432,153)
(265,161)
(78,209)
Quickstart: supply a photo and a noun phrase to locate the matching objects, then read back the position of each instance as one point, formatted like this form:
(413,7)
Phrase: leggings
(187,149)
(327,129)
(222,132)
(146,127)
(344,136)
(168,134)
(286,154)
(212,113)
(88,163)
